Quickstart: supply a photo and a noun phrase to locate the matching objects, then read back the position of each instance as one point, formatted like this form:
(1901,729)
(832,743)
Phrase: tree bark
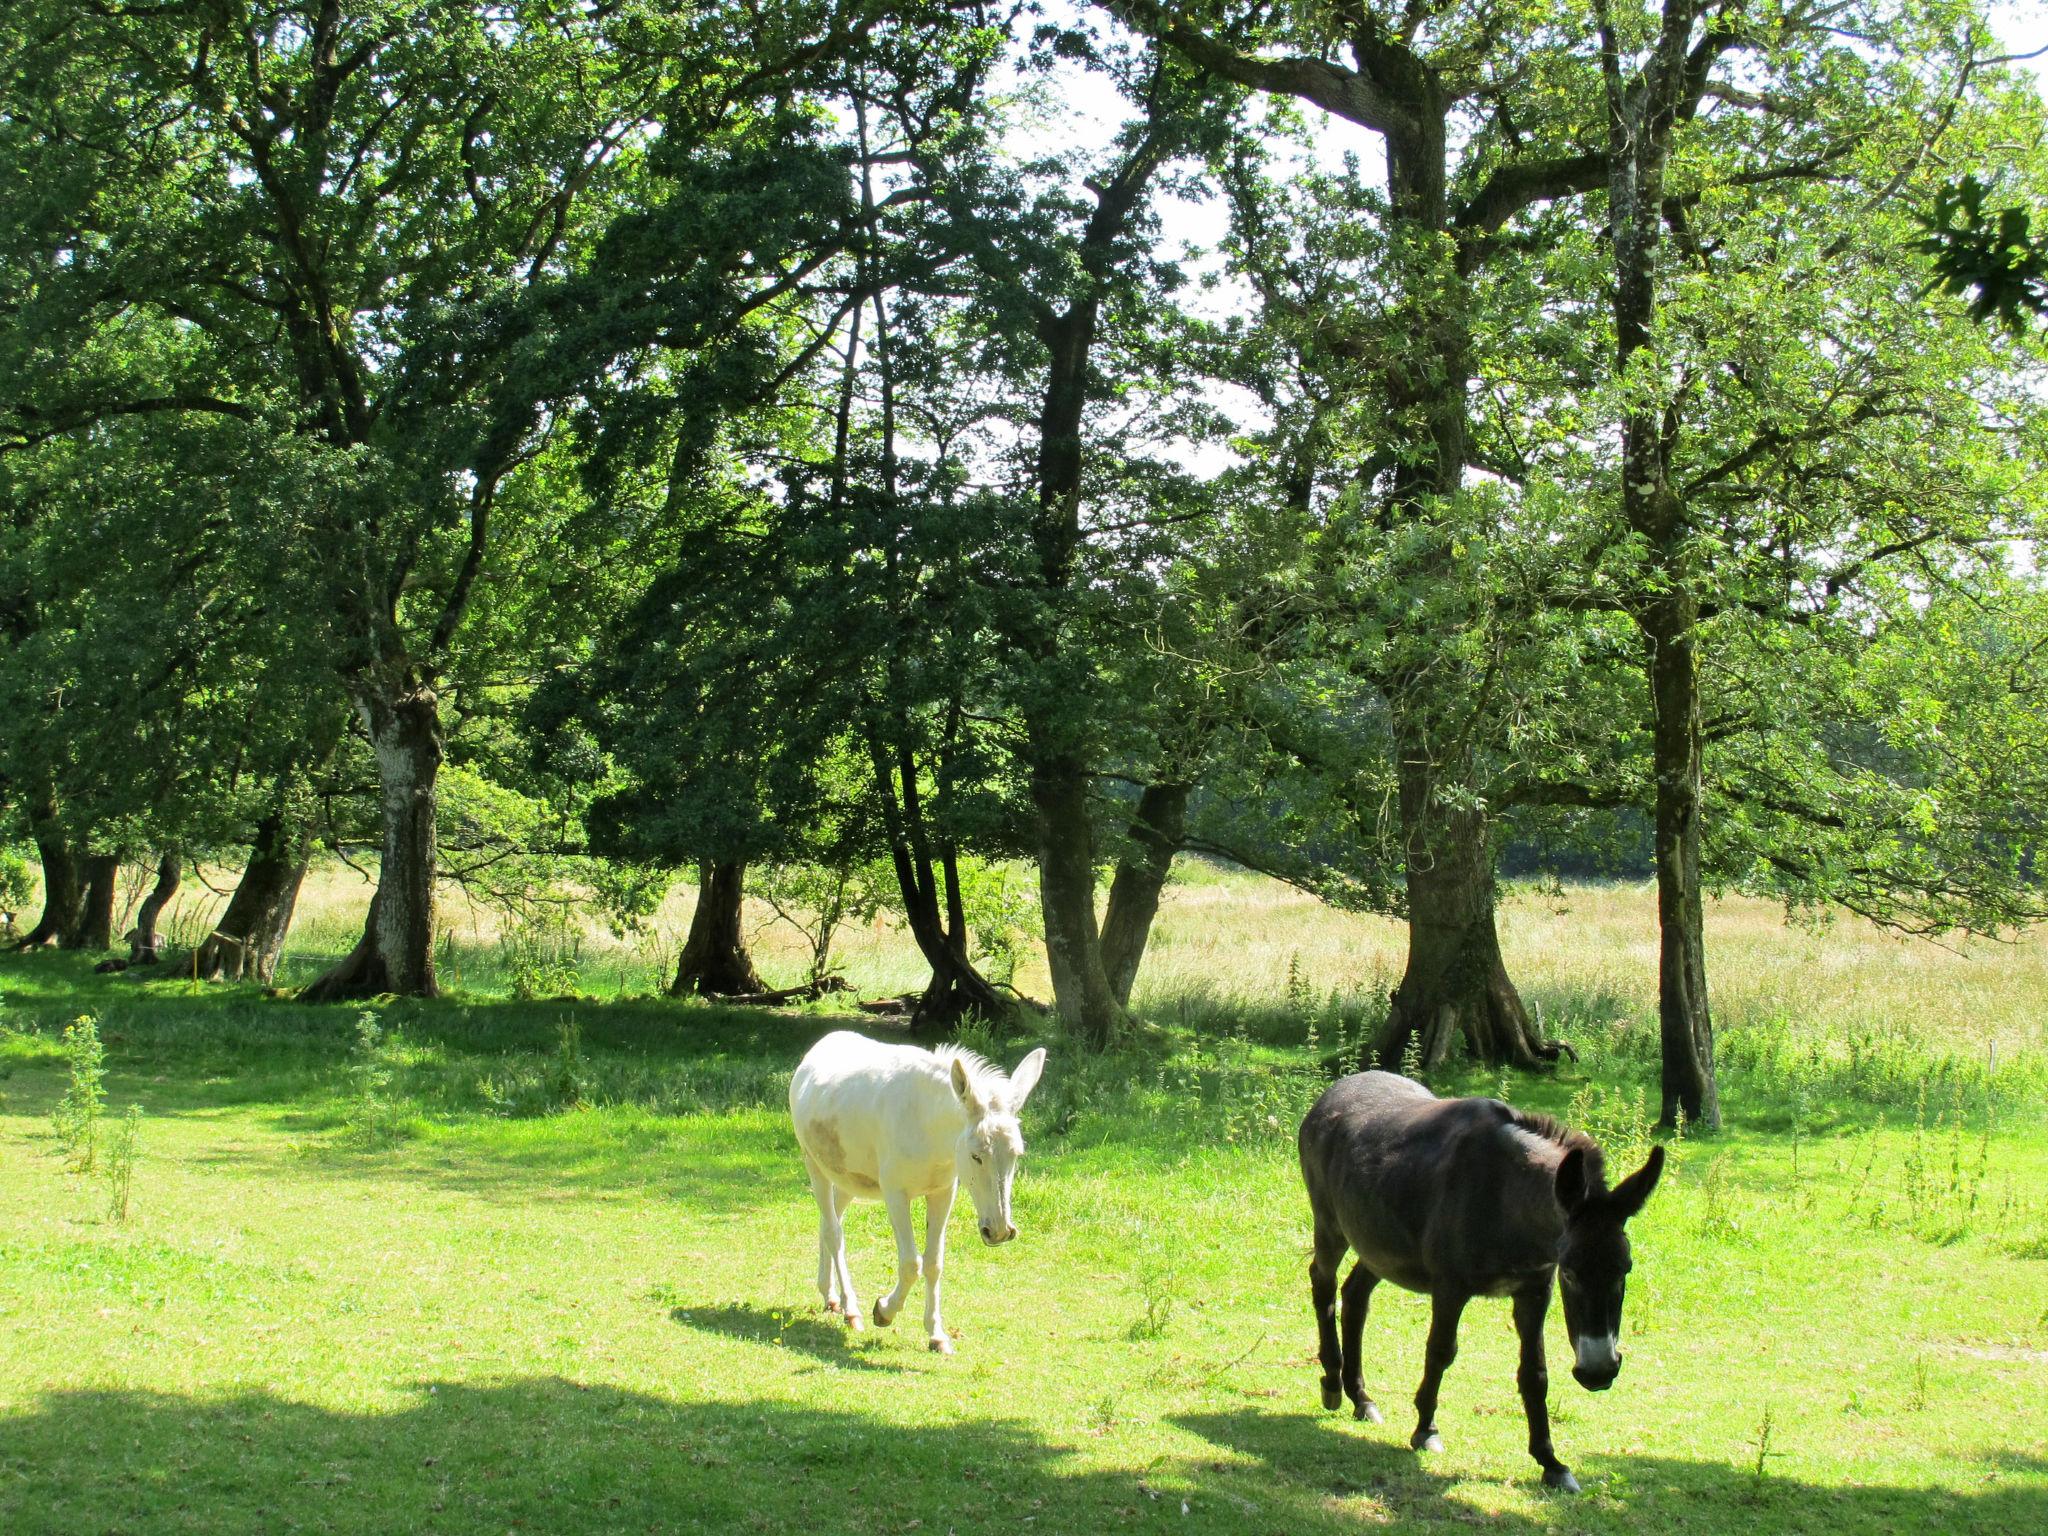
(1456,982)
(1685,1026)
(143,944)
(63,885)
(1066,892)
(247,941)
(95,928)
(396,951)
(714,961)
(1158,827)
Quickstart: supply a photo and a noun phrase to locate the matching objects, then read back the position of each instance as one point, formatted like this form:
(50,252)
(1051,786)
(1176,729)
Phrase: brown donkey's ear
(1571,1180)
(1630,1194)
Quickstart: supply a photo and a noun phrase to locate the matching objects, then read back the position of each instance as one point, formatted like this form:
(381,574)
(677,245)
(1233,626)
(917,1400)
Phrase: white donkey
(894,1122)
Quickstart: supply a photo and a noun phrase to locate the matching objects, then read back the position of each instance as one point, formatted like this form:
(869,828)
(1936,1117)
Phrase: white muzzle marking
(1600,1355)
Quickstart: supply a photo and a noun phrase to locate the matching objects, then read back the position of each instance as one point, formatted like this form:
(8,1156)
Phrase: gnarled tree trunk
(1158,827)
(396,951)
(63,885)
(246,942)
(1066,892)
(143,944)
(714,961)
(715,953)
(1456,983)
(95,928)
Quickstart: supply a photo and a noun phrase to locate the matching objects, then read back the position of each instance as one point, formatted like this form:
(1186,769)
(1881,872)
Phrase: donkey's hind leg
(1322,1290)
(828,1235)
(847,1300)
(1357,1298)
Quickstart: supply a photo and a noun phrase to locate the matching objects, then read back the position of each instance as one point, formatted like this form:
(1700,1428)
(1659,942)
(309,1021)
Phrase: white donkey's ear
(1025,1078)
(963,1086)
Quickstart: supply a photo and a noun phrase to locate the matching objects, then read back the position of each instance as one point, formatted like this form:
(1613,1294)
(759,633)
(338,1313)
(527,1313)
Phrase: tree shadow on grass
(817,1334)
(549,1455)
(1651,1493)
(559,1456)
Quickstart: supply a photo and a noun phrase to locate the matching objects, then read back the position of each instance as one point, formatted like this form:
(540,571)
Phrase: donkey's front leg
(937,1207)
(897,1198)
(1446,1307)
(1533,1377)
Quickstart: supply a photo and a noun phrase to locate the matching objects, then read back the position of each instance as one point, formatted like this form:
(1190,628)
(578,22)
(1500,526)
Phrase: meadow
(545,1263)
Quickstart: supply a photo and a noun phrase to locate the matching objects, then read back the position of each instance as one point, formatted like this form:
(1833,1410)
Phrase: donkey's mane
(1550,1128)
(989,1082)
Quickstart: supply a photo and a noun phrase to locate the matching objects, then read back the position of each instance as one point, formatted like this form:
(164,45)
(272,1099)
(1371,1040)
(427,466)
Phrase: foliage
(1992,256)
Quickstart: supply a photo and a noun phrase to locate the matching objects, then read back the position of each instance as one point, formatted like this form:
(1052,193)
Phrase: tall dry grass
(1238,951)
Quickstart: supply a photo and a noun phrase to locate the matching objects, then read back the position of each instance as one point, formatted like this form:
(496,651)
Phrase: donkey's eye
(975,1155)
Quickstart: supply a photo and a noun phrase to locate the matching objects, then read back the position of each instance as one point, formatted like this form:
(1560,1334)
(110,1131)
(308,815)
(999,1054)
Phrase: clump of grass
(543,958)
(1717,1218)
(1618,1117)
(569,1074)
(122,1151)
(77,1115)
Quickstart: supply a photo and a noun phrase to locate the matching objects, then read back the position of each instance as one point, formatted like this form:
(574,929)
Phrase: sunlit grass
(547,1266)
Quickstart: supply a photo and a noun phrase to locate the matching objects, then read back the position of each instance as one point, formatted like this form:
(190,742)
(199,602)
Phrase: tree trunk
(714,960)
(1066,896)
(1157,829)
(1456,982)
(396,951)
(143,944)
(95,928)
(1685,1027)
(63,885)
(246,942)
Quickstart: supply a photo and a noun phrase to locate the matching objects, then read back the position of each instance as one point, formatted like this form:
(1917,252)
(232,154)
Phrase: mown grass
(547,1266)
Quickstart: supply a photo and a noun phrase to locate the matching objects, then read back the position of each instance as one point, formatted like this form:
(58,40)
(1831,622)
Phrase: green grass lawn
(501,1275)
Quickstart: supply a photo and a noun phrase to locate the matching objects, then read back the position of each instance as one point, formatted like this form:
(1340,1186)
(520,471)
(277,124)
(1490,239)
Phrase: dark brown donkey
(1458,1198)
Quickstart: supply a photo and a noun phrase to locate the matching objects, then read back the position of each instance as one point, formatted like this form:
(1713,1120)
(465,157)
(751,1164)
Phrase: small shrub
(1159,1283)
(371,1119)
(543,957)
(77,1115)
(17,885)
(1000,902)
(121,1155)
(569,1076)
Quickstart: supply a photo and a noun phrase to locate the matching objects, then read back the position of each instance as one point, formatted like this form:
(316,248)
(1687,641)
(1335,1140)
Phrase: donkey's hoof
(852,1320)
(833,1309)
(1561,1481)
(882,1319)
(1426,1440)
(1369,1411)
(939,1346)
(1333,1396)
